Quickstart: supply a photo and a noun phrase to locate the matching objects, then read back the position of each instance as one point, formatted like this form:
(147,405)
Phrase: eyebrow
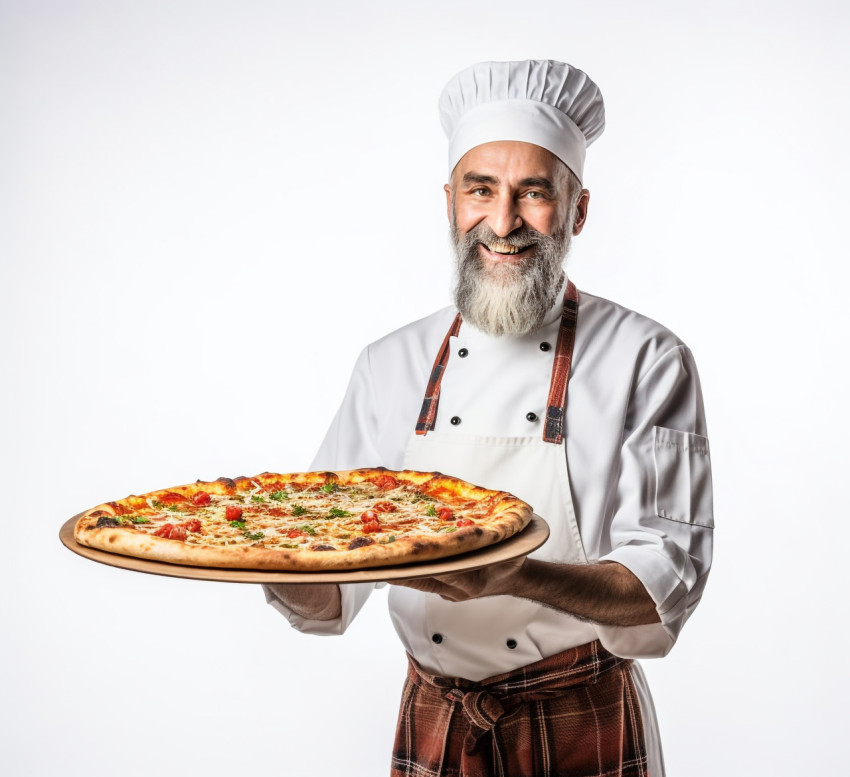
(479,178)
(540,183)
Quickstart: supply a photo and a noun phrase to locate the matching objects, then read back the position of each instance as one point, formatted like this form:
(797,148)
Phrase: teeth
(504,248)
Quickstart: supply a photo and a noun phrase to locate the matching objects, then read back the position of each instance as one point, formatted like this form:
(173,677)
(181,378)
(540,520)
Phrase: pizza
(309,521)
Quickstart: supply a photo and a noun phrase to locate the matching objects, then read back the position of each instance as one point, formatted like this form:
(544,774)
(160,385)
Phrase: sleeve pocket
(683,477)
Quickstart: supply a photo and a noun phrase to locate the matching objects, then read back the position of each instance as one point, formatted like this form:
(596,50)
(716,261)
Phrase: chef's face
(507,185)
(513,210)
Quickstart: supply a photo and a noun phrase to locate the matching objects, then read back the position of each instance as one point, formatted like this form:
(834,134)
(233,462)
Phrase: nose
(505,217)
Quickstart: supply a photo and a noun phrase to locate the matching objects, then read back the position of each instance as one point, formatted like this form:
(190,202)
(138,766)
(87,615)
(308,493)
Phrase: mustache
(522,237)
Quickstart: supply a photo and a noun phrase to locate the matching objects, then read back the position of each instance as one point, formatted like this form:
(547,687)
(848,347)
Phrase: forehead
(508,161)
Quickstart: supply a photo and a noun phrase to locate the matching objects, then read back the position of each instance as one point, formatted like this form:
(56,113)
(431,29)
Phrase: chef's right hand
(312,601)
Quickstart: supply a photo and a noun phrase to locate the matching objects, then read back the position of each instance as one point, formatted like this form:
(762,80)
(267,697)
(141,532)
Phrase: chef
(590,412)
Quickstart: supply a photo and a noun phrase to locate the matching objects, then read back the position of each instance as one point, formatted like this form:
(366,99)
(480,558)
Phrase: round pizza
(309,521)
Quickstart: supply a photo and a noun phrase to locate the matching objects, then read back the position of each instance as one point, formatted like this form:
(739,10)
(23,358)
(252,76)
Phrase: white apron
(484,637)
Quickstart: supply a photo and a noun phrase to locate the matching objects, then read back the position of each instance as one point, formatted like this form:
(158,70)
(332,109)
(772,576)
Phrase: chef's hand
(493,580)
(314,601)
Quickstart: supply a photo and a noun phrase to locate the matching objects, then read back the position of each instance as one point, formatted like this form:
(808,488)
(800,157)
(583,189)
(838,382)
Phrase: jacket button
(437,638)
(531,416)
(463,353)
(455,420)
(511,643)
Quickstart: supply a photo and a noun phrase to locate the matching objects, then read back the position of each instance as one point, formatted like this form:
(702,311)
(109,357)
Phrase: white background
(207,209)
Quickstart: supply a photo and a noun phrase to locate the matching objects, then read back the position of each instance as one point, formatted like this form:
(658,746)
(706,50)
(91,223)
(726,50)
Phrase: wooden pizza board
(521,544)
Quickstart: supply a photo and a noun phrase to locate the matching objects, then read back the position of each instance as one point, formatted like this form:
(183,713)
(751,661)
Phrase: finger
(428,585)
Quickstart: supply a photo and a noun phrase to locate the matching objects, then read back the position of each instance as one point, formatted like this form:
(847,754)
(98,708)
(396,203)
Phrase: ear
(581,211)
(448,190)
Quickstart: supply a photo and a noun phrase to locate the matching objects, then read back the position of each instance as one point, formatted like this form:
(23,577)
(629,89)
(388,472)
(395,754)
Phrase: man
(590,412)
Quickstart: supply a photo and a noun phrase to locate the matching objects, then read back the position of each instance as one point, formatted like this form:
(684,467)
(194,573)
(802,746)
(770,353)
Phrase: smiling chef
(588,411)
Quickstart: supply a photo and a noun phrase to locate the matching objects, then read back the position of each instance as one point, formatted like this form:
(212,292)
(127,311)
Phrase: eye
(480,191)
(534,195)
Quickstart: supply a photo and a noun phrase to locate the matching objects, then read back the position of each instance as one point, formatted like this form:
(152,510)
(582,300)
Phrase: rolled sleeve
(662,527)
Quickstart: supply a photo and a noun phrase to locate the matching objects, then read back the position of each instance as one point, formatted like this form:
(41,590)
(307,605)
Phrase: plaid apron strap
(428,414)
(553,430)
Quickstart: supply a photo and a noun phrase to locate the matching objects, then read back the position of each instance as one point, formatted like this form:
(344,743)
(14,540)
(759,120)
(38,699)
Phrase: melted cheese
(274,518)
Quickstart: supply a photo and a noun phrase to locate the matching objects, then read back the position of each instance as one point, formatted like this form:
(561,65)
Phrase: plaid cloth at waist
(575,713)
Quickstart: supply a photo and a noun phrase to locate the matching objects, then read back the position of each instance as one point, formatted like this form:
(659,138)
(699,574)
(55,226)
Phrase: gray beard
(508,298)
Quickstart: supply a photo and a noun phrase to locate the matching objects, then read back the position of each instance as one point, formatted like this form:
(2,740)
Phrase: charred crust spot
(330,477)
(323,547)
(360,542)
(106,521)
(98,514)
(228,483)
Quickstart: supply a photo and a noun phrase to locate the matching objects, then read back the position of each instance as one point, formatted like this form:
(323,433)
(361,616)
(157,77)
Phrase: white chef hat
(540,101)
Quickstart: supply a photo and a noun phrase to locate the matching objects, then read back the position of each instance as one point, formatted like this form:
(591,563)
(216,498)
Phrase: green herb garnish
(258,536)
(257,498)
(298,510)
(336,512)
(446,529)
(278,496)
(431,510)
(138,519)
(307,528)
(389,539)
(238,524)
(329,488)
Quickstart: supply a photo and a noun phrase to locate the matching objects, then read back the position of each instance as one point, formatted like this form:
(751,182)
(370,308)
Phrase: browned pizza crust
(494,516)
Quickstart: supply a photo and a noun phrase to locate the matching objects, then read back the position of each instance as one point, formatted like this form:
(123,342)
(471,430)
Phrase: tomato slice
(201,498)
(386,482)
(232,513)
(465,522)
(193,525)
(171,497)
(178,533)
(369,516)
(370,527)
(445,513)
(165,530)
(385,507)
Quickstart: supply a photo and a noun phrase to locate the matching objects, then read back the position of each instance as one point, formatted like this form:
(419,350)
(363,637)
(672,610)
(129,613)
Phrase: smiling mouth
(506,249)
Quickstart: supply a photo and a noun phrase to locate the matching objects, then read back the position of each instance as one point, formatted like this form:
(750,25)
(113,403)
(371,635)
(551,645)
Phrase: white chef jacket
(636,443)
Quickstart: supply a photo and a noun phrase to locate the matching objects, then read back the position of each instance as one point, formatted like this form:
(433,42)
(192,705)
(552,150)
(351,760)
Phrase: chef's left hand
(458,587)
